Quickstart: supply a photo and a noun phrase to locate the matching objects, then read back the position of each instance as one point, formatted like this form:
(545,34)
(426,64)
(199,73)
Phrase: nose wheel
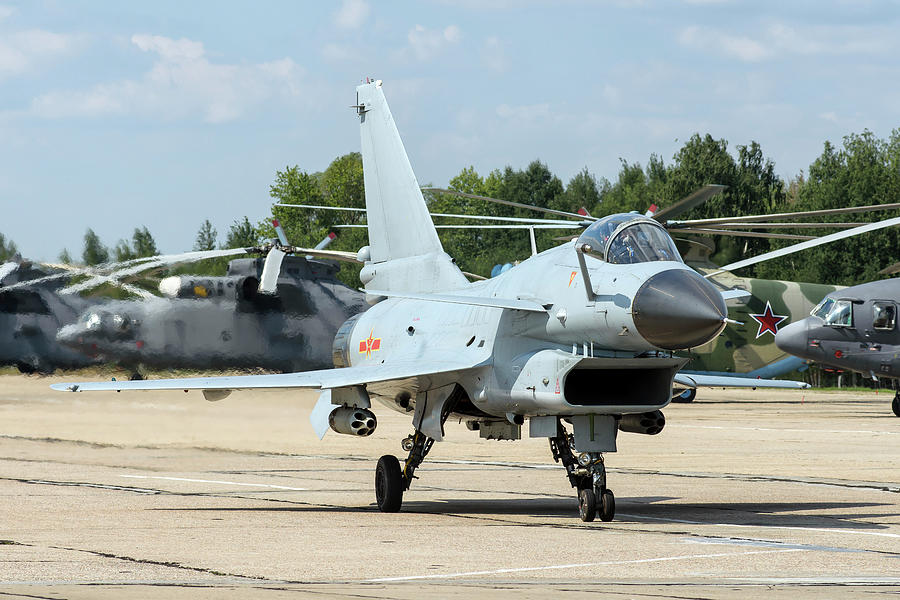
(587,474)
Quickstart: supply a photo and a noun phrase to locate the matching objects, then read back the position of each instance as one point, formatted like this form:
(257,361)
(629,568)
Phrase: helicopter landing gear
(895,405)
(391,480)
(587,474)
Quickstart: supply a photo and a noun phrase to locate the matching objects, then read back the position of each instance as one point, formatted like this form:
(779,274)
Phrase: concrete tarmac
(165,495)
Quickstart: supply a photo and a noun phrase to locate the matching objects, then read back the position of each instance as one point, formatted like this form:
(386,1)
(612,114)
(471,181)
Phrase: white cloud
(493,55)
(529,112)
(352,14)
(6,11)
(778,39)
(182,82)
(426,43)
(338,52)
(23,51)
(741,47)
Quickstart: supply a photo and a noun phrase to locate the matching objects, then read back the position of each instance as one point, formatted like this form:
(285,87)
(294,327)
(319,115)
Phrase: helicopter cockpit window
(841,314)
(628,239)
(884,315)
(821,310)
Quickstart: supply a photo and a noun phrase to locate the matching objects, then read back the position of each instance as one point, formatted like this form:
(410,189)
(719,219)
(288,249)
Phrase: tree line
(863,170)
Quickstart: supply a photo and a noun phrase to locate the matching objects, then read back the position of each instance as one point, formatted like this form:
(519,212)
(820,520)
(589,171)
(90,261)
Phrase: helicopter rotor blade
(695,198)
(268,281)
(586,219)
(825,239)
(514,204)
(750,234)
(783,216)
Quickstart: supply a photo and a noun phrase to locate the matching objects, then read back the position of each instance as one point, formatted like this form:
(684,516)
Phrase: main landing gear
(587,474)
(895,405)
(391,480)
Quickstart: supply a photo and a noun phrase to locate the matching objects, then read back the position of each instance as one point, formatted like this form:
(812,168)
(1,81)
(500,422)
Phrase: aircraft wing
(695,380)
(324,379)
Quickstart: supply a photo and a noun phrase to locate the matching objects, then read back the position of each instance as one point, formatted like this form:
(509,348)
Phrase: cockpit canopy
(628,239)
(836,313)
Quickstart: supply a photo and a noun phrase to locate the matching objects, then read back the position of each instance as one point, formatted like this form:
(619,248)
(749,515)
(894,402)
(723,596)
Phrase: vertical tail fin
(399,224)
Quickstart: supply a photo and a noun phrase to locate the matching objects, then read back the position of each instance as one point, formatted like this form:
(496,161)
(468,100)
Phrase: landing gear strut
(587,474)
(391,480)
(895,405)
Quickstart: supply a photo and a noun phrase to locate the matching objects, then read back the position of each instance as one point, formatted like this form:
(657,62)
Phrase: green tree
(864,171)
(143,243)
(123,251)
(583,191)
(64,257)
(7,248)
(206,237)
(340,185)
(242,234)
(94,252)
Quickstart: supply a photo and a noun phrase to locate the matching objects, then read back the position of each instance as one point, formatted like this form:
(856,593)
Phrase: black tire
(135,377)
(388,484)
(607,508)
(895,405)
(686,396)
(587,505)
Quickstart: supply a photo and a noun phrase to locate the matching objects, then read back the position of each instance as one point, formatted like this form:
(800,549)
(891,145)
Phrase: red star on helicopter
(768,321)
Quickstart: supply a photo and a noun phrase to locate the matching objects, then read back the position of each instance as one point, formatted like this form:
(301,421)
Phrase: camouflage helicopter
(235,321)
(580,335)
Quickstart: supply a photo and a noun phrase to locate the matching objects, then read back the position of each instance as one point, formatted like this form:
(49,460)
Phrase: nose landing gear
(587,474)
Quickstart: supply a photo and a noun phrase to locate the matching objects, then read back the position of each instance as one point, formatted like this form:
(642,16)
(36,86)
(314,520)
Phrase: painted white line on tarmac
(787,527)
(265,485)
(608,563)
(731,427)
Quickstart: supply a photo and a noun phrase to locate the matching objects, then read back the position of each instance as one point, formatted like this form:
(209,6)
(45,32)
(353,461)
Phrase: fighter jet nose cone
(793,338)
(678,309)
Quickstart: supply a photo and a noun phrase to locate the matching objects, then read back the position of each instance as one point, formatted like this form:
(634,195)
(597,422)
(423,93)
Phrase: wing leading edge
(324,379)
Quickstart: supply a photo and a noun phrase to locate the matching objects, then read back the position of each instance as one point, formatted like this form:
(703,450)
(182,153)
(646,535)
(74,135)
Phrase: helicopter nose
(70,335)
(678,309)
(794,338)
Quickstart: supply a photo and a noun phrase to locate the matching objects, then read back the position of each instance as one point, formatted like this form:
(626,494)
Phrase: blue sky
(123,114)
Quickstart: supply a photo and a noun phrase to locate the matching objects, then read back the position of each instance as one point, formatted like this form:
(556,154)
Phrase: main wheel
(587,505)
(686,396)
(607,506)
(895,405)
(388,484)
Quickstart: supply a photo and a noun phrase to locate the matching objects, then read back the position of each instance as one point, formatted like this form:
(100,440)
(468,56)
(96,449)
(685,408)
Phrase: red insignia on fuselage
(768,321)
(370,344)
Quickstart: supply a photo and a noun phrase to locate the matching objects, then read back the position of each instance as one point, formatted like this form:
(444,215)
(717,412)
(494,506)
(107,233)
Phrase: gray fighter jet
(224,322)
(577,340)
(854,328)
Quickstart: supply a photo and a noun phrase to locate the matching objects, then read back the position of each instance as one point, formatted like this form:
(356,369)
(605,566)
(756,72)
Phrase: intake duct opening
(618,387)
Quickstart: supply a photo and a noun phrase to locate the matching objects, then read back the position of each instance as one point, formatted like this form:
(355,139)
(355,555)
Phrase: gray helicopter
(854,328)
(36,300)
(578,340)
(31,312)
(224,322)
